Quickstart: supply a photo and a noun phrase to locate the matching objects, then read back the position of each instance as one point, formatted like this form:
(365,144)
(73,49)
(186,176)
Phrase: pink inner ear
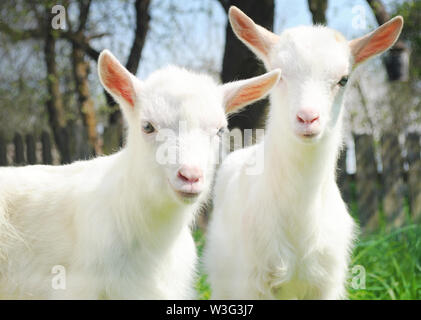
(249,94)
(379,42)
(117,80)
(247,31)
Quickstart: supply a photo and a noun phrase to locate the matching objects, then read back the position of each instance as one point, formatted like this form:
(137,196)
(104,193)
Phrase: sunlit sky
(193,39)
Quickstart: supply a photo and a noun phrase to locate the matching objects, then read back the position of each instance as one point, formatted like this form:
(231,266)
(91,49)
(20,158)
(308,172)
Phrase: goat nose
(307,116)
(190,174)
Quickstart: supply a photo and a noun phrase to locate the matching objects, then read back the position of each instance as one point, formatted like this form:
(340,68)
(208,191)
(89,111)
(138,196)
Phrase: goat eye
(221,131)
(148,128)
(343,81)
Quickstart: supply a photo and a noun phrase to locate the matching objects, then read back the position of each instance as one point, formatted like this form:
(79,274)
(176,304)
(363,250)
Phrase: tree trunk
(240,63)
(31,157)
(318,11)
(47,157)
(81,72)
(3,150)
(115,119)
(142,27)
(54,103)
(379,11)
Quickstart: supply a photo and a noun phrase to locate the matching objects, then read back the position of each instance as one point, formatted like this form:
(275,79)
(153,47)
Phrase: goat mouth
(187,196)
(186,193)
(309,135)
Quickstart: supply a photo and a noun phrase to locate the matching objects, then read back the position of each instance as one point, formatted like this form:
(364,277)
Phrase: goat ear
(238,94)
(377,41)
(257,38)
(116,79)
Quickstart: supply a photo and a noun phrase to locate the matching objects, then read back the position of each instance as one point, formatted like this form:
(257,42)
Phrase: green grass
(391,261)
(202,286)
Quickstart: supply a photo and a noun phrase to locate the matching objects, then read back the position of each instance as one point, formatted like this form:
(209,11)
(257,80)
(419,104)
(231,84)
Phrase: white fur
(286,233)
(113,222)
(116,223)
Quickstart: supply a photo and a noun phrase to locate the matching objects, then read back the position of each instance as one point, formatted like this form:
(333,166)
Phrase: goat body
(85,217)
(118,226)
(286,233)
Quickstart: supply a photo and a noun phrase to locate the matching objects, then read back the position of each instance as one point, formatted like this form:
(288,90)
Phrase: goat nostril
(315,119)
(307,117)
(182,177)
(300,120)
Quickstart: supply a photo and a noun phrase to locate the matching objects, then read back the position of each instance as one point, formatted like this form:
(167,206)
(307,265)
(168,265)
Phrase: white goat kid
(286,233)
(120,224)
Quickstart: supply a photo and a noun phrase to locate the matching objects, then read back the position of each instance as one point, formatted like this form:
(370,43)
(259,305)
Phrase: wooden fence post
(393,185)
(366,182)
(71,141)
(30,149)
(79,142)
(343,178)
(3,150)
(19,158)
(414,175)
(46,148)
(64,146)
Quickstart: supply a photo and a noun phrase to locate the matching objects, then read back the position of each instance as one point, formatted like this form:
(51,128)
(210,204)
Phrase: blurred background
(53,109)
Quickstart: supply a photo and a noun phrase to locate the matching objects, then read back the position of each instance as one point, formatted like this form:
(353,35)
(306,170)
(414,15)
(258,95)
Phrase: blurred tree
(42,31)
(240,63)
(409,93)
(397,59)
(411,12)
(55,100)
(132,63)
(318,11)
(80,33)
(80,68)
(82,42)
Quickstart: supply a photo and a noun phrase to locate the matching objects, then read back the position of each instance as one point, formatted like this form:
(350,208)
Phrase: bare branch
(142,26)
(84,6)
(20,35)
(82,42)
(98,35)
